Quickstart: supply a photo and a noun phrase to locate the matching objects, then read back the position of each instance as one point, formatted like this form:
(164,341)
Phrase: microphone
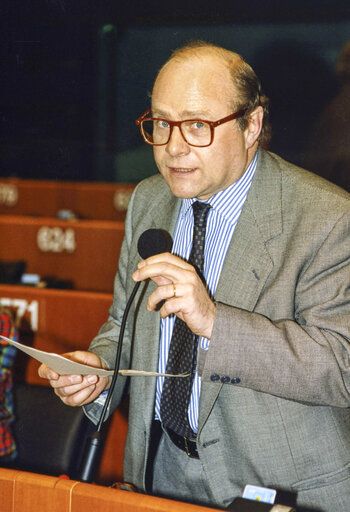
(154,241)
(150,243)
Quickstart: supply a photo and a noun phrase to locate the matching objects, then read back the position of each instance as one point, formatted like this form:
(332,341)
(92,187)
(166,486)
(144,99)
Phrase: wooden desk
(84,253)
(54,320)
(93,200)
(62,321)
(29,492)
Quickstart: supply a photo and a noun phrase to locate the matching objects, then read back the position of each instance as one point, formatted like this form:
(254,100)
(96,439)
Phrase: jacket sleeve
(105,344)
(306,358)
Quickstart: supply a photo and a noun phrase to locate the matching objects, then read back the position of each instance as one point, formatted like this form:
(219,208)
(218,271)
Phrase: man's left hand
(181,289)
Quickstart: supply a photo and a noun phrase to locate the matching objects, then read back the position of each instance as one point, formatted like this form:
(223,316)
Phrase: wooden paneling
(54,320)
(93,200)
(29,492)
(63,321)
(84,253)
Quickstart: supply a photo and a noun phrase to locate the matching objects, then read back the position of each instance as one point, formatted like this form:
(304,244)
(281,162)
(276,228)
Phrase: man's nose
(177,144)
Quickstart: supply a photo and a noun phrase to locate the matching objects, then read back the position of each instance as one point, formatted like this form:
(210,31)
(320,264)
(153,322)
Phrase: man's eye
(163,124)
(198,125)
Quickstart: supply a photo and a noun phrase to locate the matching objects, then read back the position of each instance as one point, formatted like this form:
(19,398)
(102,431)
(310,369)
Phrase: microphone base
(91,459)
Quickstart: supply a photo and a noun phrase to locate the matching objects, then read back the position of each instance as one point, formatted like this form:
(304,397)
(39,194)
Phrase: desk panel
(84,253)
(62,321)
(92,200)
(29,492)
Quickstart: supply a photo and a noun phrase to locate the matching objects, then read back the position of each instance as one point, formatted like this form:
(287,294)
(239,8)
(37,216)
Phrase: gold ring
(174,289)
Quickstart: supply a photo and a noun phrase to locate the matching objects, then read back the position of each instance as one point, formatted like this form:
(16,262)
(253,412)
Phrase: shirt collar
(224,200)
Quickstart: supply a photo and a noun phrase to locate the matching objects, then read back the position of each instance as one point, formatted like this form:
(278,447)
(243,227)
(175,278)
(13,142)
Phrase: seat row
(75,256)
(67,234)
(81,255)
(62,321)
(83,200)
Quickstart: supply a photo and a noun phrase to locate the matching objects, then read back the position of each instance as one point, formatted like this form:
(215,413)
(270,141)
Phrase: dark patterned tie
(183,346)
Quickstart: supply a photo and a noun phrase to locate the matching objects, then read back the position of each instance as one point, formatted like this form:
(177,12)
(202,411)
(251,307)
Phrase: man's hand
(182,290)
(77,390)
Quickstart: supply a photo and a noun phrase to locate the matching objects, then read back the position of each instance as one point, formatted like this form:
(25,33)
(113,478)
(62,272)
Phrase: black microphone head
(154,241)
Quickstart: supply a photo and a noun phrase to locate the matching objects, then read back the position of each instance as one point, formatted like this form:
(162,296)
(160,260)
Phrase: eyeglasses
(196,132)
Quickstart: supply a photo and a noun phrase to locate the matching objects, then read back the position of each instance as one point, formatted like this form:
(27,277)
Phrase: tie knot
(200,212)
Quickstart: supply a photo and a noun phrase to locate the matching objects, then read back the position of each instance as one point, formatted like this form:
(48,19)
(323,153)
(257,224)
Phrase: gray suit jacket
(275,396)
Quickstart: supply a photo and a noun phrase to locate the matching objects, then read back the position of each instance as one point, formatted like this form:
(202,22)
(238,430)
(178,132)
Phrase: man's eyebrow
(195,114)
(157,112)
(186,114)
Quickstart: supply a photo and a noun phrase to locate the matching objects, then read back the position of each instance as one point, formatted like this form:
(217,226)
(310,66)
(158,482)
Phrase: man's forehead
(193,85)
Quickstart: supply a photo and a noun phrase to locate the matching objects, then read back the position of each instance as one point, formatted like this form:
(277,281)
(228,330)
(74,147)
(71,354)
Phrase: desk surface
(28,492)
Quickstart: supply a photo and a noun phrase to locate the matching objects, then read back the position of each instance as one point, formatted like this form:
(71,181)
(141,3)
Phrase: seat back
(50,436)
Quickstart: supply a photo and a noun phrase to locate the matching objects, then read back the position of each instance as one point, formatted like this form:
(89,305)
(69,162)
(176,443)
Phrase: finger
(161,281)
(68,386)
(179,306)
(79,398)
(190,291)
(85,357)
(169,271)
(83,394)
(165,257)
(199,322)
(66,380)
(166,292)
(47,373)
(80,356)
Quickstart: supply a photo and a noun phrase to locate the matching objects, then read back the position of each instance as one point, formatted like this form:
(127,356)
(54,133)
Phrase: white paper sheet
(64,366)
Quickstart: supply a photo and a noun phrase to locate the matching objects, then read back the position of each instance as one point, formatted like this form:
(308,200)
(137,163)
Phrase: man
(271,390)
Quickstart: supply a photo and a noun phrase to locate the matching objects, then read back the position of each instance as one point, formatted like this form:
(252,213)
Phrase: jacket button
(214,377)
(225,379)
(235,380)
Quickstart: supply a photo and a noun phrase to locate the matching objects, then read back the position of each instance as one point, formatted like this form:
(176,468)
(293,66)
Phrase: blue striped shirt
(226,207)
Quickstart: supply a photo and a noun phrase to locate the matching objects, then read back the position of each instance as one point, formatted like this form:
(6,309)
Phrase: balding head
(246,87)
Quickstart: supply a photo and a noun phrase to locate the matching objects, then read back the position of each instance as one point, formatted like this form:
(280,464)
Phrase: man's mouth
(181,169)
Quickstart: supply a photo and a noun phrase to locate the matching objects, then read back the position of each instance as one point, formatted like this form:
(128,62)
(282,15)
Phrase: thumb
(85,357)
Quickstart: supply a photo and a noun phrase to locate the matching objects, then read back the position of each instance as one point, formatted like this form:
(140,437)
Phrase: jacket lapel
(164,216)
(248,262)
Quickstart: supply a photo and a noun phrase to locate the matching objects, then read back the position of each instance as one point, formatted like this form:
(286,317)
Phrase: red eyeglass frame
(212,124)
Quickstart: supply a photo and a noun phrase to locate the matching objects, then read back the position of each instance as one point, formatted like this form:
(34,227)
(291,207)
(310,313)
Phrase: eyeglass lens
(158,131)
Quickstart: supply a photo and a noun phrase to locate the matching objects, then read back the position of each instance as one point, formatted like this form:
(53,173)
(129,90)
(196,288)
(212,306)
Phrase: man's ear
(254,127)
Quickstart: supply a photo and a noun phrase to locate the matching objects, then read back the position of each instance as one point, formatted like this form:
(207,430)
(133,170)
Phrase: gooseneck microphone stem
(94,443)
(118,356)
(151,242)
